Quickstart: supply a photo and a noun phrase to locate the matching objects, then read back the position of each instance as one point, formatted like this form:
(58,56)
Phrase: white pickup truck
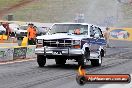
(61,44)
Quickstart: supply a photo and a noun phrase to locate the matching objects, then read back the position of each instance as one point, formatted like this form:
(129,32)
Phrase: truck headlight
(39,41)
(76,42)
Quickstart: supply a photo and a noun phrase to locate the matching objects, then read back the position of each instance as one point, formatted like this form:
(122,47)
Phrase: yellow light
(77,46)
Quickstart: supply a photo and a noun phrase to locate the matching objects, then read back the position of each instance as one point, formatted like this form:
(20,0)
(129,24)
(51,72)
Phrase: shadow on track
(66,66)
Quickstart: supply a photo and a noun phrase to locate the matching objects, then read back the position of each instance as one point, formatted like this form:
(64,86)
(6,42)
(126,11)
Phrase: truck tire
(81,61)
(96,62)
(83,58)
(60,61)
(41,60)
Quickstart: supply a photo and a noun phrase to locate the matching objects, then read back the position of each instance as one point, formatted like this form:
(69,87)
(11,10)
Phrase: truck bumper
(58,51)
(39,51)
(52,52)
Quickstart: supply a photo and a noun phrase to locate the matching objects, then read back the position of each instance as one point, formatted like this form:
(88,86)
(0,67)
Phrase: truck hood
(62,36)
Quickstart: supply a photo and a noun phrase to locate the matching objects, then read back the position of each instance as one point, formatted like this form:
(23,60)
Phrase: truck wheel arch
(102,52)
(85,48)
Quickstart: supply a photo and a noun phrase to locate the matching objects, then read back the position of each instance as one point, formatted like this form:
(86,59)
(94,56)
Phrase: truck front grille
(57,43)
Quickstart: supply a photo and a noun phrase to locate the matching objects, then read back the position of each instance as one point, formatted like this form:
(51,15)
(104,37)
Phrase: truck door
(98,36)
(92,40)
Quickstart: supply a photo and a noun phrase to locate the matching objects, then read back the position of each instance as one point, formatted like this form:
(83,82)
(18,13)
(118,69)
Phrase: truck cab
(62,43)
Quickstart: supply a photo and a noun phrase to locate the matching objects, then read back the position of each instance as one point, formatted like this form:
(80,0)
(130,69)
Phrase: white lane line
(17,61)
(129,85)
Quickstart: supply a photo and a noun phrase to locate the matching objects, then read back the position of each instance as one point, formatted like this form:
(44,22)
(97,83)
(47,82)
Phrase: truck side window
(101,34)
(97,30)
(91,31)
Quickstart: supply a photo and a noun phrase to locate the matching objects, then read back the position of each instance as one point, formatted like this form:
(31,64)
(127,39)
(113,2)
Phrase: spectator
(34,34)
(31,34)
(106,36)
(6,26)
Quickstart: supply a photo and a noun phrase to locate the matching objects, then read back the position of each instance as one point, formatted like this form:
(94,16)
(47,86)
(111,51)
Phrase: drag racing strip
(112,52)
(51,75)
(69,78)
(29,75)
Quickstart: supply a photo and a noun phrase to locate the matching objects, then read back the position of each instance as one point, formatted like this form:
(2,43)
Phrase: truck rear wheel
(60,61)
(96,62)
(41,60)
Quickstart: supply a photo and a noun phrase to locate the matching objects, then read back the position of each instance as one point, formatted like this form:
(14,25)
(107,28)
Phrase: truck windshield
(69,28)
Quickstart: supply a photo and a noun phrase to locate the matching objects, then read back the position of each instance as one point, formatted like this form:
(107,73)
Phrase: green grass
(50,10)
(65,11)
(7,3)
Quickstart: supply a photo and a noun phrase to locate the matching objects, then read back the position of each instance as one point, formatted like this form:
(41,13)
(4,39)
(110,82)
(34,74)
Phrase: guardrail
(19,52)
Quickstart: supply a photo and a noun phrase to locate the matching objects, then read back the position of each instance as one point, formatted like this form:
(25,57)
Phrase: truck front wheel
(82,60)
(41,60)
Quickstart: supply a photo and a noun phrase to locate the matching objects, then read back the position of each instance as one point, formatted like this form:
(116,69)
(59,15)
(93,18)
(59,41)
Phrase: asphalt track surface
(29,75)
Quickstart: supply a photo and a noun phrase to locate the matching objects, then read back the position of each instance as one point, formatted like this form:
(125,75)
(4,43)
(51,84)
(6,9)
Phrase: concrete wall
(6,54)
(19,52)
